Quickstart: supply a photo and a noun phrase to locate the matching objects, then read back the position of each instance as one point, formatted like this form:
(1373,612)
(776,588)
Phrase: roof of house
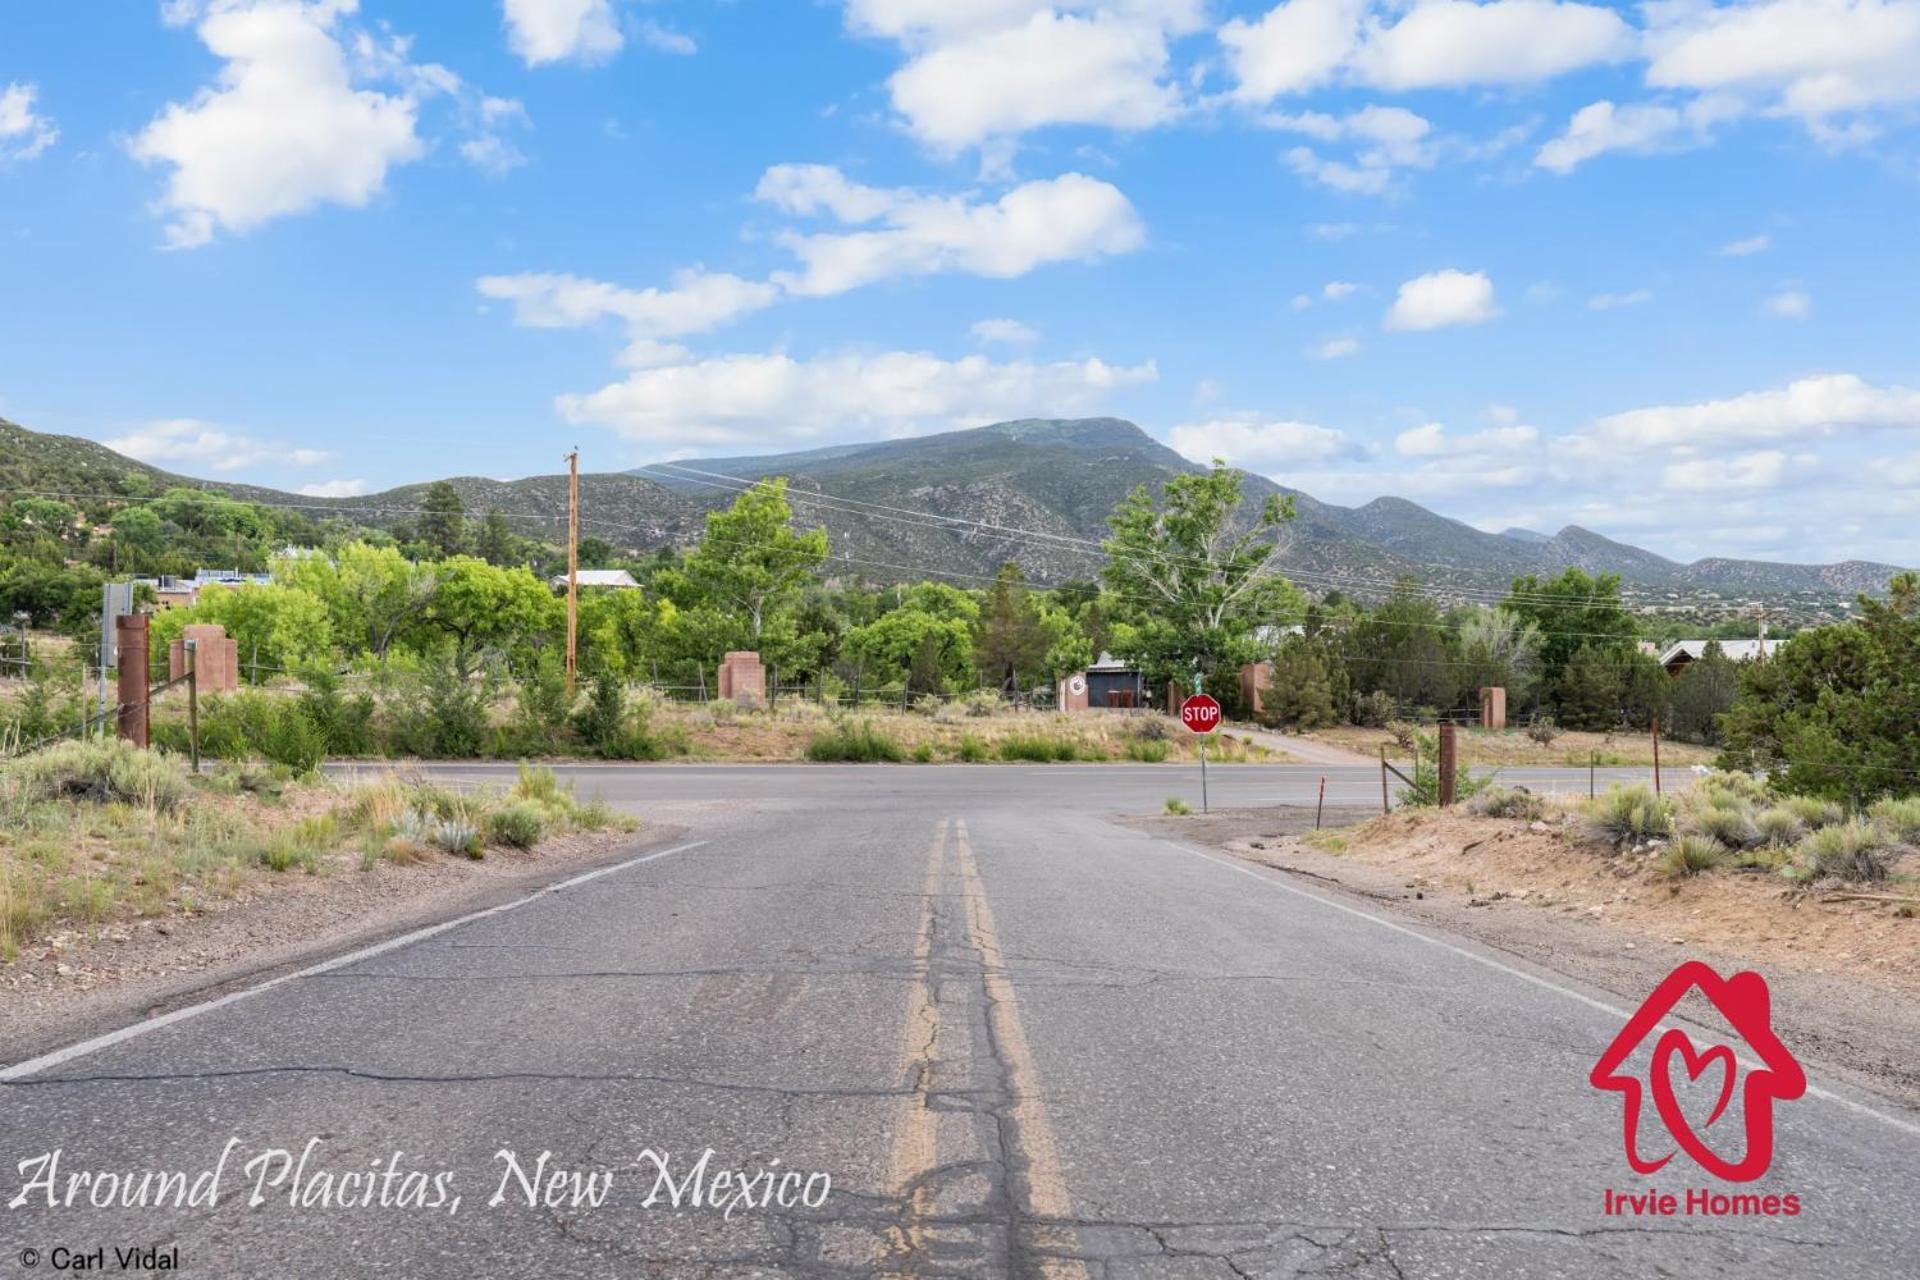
(1738,650)
(599,578)
(1108,662)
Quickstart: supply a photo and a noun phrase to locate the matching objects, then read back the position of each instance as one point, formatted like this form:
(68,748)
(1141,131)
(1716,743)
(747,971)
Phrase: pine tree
(1588,694)
(1011,642)
(443,519)
(495,544)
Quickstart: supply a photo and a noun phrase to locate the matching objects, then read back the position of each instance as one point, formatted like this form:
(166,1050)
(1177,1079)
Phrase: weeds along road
(1018,1039)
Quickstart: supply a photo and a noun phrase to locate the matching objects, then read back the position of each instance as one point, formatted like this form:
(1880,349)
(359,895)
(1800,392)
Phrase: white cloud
(333,489)
(1456,44)
(1065,219)
(994,69)
(492,154)
(1814,59)
(543,31)
(667,40)
(290,123)
(698,302)
(1788,304)
(1386,138)
(1744,248)
(24,131)
(1762,470)
(766,399)
(1334,290)
(187,440)
(1640,127)
(1816,405)
(1335,349)
(1432,441)
(1614,301)
(1258,445)
(1301,45)
(1010,333)
(1296,46)
(1443,298)
(1332,230)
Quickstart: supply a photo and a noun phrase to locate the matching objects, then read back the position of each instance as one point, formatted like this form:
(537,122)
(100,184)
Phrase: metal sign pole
(1203,775)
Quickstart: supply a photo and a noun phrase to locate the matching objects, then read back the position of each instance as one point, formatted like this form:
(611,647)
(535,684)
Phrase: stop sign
(1200,713)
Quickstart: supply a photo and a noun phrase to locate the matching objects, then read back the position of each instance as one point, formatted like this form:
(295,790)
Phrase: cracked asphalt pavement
(1018,1039)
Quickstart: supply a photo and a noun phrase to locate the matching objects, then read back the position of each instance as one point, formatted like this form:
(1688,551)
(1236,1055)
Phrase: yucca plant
(1691,854)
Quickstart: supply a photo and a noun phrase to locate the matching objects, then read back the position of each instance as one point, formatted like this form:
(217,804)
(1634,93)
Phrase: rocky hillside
(959,504)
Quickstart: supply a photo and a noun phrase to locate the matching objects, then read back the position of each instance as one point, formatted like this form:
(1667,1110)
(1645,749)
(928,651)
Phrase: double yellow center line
(1039,1186)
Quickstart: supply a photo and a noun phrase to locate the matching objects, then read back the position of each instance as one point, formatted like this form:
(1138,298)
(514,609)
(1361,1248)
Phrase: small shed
(1112,683)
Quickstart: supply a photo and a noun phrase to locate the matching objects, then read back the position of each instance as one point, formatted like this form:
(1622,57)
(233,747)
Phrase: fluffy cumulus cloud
(1819,405)
(1301,45)
(1637,127)
(773,399)
(903,233)
(544,31)
(697,302)
(25,131)
(1254,444)
(994,69)
(1441,299)
(889,233)
(306,110)
(191,442)
(1819,60)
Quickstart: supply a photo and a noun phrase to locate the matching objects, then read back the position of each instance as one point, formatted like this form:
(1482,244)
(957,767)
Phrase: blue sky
(1649,269)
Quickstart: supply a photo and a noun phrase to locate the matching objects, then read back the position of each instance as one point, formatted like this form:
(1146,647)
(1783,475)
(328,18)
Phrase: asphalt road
(1015,1038)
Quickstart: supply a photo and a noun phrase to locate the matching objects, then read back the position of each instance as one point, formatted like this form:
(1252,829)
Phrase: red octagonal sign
(1200,713)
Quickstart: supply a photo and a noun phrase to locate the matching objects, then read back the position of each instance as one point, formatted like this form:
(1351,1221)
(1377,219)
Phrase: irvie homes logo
(1744,1002)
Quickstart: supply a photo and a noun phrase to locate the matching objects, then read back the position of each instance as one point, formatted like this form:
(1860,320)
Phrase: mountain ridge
(1034,490)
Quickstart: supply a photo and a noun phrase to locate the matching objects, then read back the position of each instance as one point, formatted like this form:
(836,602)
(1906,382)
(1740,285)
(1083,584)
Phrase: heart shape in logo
(1675,1043)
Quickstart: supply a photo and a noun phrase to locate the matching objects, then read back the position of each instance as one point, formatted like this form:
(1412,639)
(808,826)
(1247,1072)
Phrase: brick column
(130,631)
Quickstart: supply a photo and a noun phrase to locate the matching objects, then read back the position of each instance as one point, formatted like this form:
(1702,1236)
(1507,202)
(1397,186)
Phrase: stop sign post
(1201,715)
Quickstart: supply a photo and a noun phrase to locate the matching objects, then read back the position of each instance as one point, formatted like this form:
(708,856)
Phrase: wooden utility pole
(573,569)
(1448,763)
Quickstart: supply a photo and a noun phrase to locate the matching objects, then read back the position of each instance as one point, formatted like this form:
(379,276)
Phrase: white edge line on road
(33,1066)
(1276,882)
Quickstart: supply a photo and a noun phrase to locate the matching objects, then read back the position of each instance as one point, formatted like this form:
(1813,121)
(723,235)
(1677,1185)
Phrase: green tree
(496,542)
(1404,649)
(480,608)
(443,519)
(1836,713)
(1307,687)
(744,582)
(1011,643)
(1705,691)
(931,653)
(373,595)
(1190,586)
(1588,691)
(275,628)
(1574,610)
(1499,647)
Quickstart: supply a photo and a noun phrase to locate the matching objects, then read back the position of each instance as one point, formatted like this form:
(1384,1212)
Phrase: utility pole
(573,568)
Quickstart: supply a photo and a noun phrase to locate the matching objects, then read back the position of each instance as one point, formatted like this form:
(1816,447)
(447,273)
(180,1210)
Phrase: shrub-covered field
(99,831)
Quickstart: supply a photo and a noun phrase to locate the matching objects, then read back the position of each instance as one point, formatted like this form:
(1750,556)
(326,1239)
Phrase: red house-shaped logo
(1744,1001)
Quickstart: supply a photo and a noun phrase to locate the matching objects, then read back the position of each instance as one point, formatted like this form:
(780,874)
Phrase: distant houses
(1684,654)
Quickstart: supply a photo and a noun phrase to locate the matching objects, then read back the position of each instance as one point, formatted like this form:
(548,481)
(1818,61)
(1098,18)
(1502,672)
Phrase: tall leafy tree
(1704,692)
(742,586)
(1190,582)
(1573,610)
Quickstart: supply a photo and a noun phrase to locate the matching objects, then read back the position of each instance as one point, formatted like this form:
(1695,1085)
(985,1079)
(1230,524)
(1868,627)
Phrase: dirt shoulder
(1844,973)
(76,984)
(1496,747)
